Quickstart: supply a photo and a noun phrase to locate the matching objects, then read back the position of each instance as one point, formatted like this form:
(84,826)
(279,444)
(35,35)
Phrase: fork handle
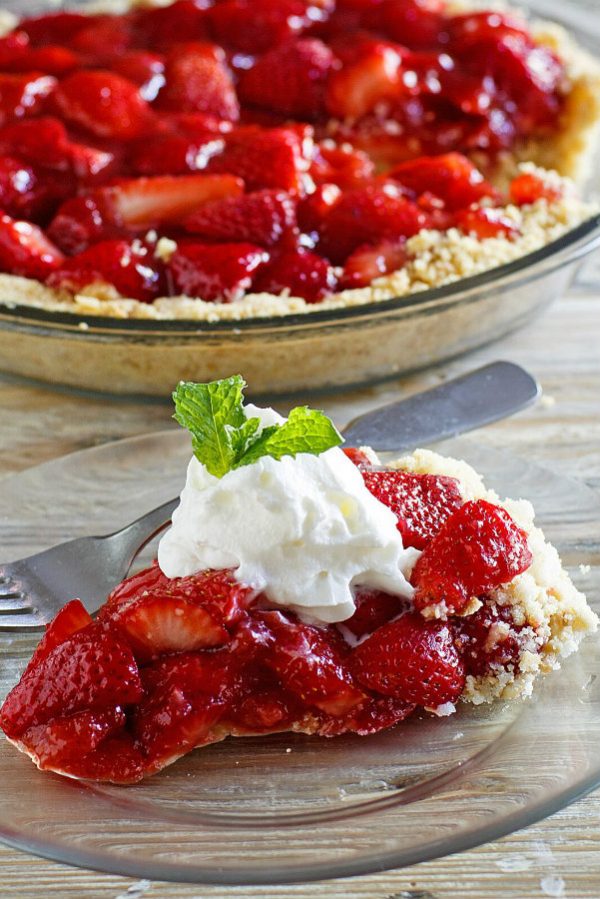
(135,535)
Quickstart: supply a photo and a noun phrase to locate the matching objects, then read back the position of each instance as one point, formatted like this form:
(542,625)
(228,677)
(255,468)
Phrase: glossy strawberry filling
(286,146)
(172,664)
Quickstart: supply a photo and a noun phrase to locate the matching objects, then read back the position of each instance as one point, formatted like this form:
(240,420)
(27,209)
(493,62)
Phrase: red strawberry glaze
(354,116)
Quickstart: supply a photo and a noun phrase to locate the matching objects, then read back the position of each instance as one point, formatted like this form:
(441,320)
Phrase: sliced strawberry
(369,262)
(143,203)
(361,85)
(290,79)
(298,273)
(25,250)
(413,660)
(421,502)
(130,268)
(92,165)
(223,598)
(373,715)
(90,670)
(254,26)
(452,177)
(20,193)
(485,221)
(309,662)
(222,272)
(266,217)
(528,188)
(23,95)
(198,80)
(104,104)
(374,608)
(274,157)
(155,624)
(72,618)
(478,548)
(369,215)
(72,736)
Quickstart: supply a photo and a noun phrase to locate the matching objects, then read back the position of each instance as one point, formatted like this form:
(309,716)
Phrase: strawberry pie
(234,159)
(362,594)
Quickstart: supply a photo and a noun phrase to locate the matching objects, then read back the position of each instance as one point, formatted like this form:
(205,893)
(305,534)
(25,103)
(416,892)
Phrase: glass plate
(289,807)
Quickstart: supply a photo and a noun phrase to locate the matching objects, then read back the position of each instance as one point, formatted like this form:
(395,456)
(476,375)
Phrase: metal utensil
(33,589)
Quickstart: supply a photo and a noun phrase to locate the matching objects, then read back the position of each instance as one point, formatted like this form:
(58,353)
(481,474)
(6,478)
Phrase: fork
(32,590)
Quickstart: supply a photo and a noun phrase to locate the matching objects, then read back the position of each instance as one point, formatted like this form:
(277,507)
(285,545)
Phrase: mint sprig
(224,439)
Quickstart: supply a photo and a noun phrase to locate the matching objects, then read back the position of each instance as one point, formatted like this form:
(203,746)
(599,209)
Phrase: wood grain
(559,857)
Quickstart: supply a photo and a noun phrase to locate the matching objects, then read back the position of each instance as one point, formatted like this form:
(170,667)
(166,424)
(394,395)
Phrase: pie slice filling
(468,603)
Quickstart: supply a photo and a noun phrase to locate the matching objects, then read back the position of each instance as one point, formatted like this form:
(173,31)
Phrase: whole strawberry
(478,548)
(411,659)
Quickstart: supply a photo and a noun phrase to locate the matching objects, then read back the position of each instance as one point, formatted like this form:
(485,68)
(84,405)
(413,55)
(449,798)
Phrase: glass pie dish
(289,807)
(323,349)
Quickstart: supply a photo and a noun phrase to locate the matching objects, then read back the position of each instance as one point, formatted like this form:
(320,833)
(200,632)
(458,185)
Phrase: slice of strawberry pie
(300,588)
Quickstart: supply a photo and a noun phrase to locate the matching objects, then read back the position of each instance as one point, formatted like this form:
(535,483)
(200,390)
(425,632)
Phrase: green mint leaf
(305,431)
(214,413)
(224,439)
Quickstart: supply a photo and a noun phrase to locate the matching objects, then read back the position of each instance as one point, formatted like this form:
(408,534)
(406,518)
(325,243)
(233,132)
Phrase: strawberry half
(131,269)
(275,157)
(104,104)
(478,548)
(361,85)
(368,215)
(485,222)
(413,660)
(89,670)
(25,250)
(72,618)
(367,263)
(146,202)
(23,95)
(420,502)
(451,177)
(198,80)
(299,273)
(155,624)
(254,26)
(72,736)
(265,217)
(290,79)
(215,272)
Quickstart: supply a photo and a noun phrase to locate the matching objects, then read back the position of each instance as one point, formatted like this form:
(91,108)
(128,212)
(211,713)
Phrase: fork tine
(16,603)
(21,622)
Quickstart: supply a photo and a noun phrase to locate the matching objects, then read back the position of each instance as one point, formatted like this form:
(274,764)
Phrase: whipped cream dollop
(303,530)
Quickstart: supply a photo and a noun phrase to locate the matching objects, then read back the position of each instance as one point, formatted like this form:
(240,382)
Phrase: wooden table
(559,857)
